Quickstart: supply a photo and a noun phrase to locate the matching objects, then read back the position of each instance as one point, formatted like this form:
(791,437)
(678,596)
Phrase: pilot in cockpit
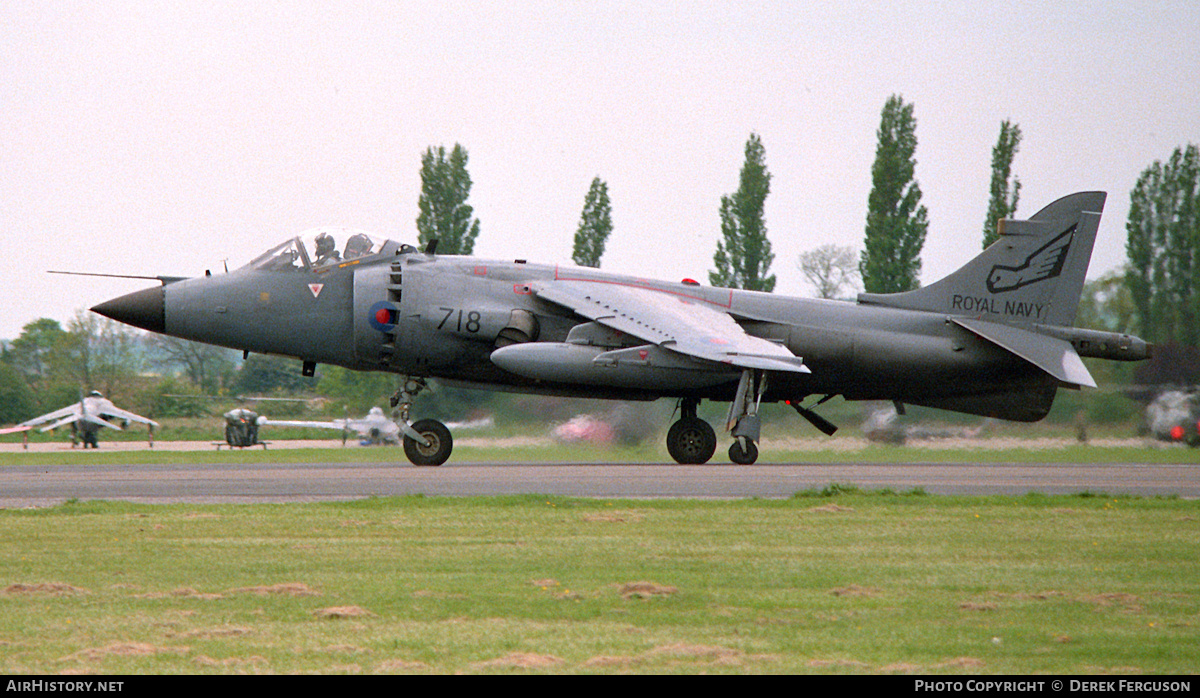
(358,245)
(326,252)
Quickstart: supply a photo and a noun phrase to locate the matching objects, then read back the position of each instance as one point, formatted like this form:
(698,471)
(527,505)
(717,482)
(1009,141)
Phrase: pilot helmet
(95,393)
(325,243)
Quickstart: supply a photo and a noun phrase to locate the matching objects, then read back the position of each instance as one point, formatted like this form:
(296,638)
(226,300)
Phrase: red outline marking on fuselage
(644,284)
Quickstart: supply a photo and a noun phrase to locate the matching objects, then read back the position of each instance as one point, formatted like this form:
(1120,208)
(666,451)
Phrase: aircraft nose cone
(144,309)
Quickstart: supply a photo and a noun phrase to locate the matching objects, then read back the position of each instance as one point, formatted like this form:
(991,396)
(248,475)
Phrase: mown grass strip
(828,581)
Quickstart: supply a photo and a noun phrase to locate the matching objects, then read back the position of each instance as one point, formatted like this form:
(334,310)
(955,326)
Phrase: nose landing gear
(426,442)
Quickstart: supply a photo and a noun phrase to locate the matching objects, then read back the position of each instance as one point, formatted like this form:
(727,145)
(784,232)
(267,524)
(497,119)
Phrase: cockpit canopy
(320,249)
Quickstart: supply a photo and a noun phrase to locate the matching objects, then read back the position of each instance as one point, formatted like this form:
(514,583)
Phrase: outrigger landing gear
(427,442)
(743,420)
(690,440)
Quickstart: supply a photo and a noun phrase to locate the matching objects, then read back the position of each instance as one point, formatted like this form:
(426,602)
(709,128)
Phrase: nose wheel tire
(438,449)
(691,441)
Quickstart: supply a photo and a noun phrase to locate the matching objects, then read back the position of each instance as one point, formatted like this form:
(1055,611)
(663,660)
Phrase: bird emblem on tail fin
(1044,263)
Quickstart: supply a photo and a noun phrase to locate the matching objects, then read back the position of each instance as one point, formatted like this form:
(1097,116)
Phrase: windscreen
(318,249)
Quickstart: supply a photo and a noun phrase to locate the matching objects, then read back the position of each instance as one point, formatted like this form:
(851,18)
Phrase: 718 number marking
(471,323)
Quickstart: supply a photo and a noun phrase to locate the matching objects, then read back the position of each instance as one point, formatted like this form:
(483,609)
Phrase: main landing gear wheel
(440,443)
(691,441)
(743,456)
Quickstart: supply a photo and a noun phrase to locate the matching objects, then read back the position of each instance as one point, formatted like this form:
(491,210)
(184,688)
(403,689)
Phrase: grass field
(837,581)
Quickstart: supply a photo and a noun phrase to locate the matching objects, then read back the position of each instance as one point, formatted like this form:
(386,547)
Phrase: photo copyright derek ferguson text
(1055,685)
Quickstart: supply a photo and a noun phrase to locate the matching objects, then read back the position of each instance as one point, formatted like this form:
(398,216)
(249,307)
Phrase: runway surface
(45,485)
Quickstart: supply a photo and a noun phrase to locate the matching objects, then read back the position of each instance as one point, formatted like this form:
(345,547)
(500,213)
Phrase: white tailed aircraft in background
(85,418)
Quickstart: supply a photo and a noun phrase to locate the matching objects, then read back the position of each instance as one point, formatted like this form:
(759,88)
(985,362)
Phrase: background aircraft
(241,423)
(994,339)
(85,418)
(375,428)
(883,424)
(241,428)
(1174,416)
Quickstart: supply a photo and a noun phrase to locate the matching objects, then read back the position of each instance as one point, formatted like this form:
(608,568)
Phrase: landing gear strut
(427,442)
(743,420)
(691,441)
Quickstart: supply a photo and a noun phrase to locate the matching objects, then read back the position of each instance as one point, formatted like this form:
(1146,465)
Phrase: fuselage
(443,316)
(994,338)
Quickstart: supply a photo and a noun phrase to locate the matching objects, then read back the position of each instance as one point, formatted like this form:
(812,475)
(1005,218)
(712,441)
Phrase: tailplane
(1033,273)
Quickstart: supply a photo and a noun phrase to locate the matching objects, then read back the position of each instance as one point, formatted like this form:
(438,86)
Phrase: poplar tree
(1003,201)
(595,225)
(896,220)
(444,212)
(744,256)
(1163,249)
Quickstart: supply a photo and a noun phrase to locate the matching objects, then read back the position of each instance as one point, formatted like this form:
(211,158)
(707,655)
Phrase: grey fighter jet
(86,417)
(994,339)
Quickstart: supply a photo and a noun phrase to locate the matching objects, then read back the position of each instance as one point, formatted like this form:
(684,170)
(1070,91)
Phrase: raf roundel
(382,316)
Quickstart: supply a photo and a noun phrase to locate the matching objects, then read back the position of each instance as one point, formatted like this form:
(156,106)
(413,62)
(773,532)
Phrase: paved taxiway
(43,485)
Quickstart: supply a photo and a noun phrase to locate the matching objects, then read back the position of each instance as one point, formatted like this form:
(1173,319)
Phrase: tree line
(1156,295)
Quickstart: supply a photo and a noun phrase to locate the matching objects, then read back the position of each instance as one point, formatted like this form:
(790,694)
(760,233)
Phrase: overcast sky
(173,137)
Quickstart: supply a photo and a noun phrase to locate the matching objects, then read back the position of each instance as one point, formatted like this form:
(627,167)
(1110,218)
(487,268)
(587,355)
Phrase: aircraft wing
(340,424)
(94,419)
(362,427)
(72,411)
(683,324)
(69,419)
(113,411)
(14,430)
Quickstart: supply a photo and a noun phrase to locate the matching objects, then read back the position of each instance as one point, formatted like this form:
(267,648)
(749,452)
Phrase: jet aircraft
(375,428)
(995,338)
(85,417)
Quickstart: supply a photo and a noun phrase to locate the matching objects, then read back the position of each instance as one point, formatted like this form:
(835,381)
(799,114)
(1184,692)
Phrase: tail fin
(1033,274)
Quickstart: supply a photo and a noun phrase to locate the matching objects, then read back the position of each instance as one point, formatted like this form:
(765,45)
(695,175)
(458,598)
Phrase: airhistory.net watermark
(45,685)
